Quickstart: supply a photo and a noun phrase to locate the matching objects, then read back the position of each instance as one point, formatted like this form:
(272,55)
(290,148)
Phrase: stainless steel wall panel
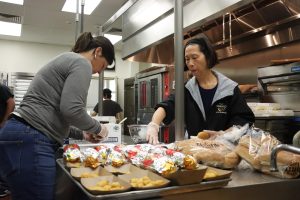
(152,33)
(142,13)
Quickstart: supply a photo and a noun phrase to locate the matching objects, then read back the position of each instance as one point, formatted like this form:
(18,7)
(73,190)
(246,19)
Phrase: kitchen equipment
(151,87)
(20,82)
(138,133)
(284,61)
(129,103)
(280,84)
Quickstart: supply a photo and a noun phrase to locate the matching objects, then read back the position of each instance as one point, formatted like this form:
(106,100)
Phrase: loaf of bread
(209,152)
(256,150)
(203,135)
(288,164)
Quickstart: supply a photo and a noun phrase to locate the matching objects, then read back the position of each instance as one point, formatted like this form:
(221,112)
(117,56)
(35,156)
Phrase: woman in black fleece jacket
(212,101)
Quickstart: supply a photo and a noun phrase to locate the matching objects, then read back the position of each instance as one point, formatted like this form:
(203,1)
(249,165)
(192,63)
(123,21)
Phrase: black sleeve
(169,107)
(119,109)
(240,112)
(96,108)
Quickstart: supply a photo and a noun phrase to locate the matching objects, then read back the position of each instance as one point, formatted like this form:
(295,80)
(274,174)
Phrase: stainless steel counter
(245,184)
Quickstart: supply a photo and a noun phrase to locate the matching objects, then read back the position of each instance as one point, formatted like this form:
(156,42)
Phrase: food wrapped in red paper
(72,153)
(103,152)
(119,147)
(138,158)
(100,147)
(157,150)
(91,158)
(147,162)
(164,166)
(71,146)
(178,159)
(116,159)
(145,147)
(130,151)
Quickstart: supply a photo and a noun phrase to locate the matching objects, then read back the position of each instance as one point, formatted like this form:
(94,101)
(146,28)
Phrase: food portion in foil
(155,158)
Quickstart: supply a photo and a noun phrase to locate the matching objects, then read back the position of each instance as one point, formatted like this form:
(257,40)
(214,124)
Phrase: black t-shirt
(5,94)
(207,96)
(110,108)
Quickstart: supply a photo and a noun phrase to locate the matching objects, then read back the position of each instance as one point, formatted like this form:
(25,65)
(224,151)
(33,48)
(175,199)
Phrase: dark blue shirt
(207,96)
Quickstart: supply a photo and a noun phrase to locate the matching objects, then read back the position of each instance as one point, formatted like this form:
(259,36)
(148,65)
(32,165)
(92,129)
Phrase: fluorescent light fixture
(8,28)
(20,2)
(89,6)
(113,38)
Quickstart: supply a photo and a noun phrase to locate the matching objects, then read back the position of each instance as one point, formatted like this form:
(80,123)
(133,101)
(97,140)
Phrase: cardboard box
(114,133)
(124,169)
(90,182)
(139,174)
(187,177)
(219,174)
(99,171)
(105,119)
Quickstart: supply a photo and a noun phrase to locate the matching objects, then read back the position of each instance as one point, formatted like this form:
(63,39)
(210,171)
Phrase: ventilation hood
(234,27)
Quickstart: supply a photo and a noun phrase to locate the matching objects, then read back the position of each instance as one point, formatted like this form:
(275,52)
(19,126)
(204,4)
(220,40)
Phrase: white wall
(26,57)
(123,70)
(30,57)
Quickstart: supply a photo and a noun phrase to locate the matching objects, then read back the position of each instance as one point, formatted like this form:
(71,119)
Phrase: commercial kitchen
(257,43)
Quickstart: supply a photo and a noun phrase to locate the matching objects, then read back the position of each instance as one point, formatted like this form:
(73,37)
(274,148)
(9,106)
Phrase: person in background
(212,101)
(110,107)
(7,103)
(7,106)
(53,105)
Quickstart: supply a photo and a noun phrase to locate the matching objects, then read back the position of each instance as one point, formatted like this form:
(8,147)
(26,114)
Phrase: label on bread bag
(293,169)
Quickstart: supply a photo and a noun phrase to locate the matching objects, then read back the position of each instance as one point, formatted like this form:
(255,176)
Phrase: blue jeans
(27,161)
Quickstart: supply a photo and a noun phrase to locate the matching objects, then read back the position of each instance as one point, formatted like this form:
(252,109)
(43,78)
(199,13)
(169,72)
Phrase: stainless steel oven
(151,87)
(280,84)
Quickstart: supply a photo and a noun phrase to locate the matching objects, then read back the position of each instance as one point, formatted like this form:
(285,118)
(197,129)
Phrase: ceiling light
(8,28)
(89,6)
(113,38)
(20,2)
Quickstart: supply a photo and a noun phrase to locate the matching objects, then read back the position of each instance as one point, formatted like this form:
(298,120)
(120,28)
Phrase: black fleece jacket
(228,107)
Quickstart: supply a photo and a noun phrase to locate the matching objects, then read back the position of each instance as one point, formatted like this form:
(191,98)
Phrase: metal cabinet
(129,103)
(20,82)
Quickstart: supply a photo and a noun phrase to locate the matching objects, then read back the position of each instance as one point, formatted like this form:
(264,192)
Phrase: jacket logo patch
(221,108)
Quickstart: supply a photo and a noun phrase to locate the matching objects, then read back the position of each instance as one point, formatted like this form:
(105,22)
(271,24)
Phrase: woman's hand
(152,133)
(95,138)
(90,137)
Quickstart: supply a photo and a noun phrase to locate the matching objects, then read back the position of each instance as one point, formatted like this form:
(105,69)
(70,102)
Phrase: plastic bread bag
(249,146)
(232,135)
(210,152)
(256,146)
(235,133)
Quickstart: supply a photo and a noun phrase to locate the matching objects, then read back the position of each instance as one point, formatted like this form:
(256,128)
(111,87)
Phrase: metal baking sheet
(151,193)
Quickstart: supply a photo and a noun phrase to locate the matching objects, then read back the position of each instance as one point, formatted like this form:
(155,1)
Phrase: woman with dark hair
(212,101)
(52,109)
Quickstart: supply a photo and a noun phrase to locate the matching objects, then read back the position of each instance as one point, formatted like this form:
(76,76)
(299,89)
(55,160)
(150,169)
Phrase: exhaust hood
(234,27)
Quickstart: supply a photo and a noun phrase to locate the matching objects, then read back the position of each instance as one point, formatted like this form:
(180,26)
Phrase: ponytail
(86,42)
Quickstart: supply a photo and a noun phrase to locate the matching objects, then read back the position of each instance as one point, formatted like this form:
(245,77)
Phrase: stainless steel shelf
(20,82)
